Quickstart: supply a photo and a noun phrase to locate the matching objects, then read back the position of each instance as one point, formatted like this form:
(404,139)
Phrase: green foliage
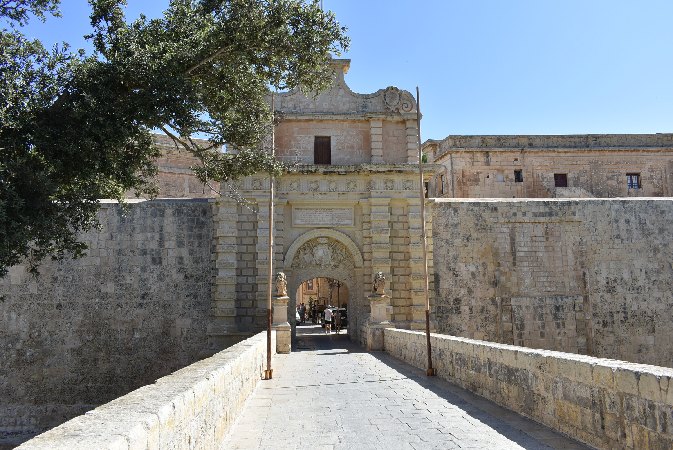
(74,128)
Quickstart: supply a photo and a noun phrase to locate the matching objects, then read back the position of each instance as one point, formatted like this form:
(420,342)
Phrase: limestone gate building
(167,282)
(348,208)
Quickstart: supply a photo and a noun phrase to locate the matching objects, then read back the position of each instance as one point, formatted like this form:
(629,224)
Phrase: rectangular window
(518,176)
(560,180)
(633,180)
(322,150)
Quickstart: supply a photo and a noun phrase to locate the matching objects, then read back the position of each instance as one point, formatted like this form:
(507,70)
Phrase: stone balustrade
(191,408)
(602,402)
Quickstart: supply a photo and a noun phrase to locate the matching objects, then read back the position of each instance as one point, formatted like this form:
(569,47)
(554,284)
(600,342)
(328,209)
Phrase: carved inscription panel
(305,217)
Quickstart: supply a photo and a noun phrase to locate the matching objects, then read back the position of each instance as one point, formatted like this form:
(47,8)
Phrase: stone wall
(595,166)
(607,404)
(89,330)
(581,276)
(350,140)
(191,408)
(175,178)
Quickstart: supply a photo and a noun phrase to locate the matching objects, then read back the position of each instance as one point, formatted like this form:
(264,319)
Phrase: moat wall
(90,330)
(580,276)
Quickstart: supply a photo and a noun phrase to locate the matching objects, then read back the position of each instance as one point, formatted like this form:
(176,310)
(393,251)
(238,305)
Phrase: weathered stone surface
(191,408)
(581,276)
(89,330)
(595,165)
(552,387)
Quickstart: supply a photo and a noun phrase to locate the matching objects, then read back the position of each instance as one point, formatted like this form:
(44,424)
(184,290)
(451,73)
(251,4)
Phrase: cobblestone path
(330,394)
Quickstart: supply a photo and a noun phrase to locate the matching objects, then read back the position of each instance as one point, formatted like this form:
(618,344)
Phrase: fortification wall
(607,404)
(89,330)
(581,276)
(191,408)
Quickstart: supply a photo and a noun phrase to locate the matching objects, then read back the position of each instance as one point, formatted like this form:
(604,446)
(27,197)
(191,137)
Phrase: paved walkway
(330,394)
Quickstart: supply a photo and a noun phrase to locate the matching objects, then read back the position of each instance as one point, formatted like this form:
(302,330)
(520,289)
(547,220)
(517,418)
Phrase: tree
(75,127)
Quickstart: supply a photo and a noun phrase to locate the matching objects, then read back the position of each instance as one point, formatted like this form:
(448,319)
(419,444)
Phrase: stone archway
(330,254)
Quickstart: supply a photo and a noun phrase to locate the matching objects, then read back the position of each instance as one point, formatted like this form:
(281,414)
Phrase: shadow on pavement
(510,424)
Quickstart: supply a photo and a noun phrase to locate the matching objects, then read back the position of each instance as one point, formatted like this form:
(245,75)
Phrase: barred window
(633,180)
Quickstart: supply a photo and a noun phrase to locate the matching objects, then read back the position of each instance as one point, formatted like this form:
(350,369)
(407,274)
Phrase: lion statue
(379,283)
(281,284)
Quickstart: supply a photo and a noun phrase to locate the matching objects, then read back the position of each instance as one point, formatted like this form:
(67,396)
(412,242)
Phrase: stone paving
(331,394)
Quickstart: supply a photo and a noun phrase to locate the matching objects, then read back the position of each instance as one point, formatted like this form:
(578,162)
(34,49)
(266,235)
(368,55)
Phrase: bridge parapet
(602,402)
(191,408)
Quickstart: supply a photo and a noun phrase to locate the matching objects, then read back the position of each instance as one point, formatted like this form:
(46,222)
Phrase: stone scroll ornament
(281,285)
(398,101)
(379,283)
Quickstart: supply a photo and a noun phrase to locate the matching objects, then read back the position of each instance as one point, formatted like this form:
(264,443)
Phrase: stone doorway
(319,293)
(319,256)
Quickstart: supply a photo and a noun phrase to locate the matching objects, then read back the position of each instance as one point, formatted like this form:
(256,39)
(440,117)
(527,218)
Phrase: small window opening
(518,176)
(560,180)
(322,150)
(427,188)
(633,180)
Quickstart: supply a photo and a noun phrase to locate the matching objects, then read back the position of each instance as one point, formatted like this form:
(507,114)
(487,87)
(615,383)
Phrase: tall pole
(430,371)
(268,373)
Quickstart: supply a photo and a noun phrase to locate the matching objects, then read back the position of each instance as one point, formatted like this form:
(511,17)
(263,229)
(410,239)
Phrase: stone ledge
(195,405)
(602,402)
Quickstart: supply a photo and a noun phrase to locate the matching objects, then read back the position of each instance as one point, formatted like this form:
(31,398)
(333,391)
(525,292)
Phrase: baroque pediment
(339,99)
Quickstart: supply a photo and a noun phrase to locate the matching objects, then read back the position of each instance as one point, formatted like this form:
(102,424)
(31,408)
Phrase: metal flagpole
(430,371)
(268,373)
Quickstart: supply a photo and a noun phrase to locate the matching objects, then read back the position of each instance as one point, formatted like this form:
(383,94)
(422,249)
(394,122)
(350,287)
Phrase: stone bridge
(330,393)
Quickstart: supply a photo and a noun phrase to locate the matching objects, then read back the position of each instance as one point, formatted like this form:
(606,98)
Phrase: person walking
(336,318)
(328,320)
(302,312)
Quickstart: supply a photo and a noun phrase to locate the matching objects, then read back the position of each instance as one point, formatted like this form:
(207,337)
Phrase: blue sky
(496,66)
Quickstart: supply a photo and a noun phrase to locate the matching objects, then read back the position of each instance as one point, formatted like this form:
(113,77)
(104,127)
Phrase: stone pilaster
(376,134)
(262,258)
(380,234)
(222,327)
(412,141)
(416,263)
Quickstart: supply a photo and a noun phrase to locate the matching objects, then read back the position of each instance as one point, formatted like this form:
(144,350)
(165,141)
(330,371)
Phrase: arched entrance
(325,253)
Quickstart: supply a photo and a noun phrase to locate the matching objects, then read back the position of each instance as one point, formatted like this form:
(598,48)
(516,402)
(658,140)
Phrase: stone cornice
(363,169)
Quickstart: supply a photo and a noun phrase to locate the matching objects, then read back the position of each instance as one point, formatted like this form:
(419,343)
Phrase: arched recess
(323,233)
(332,254)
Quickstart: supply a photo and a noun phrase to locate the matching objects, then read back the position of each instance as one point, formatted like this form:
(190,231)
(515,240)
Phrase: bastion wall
(581,276)
(88,331)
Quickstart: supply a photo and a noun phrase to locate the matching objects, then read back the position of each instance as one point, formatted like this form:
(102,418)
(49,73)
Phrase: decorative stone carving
(389,184)
(323,253)
(281,285)
(408,185)
(314,186)
(379,283)
(351,185)
(398,101)
(332,186)
(294,185)
(371,185)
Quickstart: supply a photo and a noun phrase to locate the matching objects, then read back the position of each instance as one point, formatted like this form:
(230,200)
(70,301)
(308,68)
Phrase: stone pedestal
(281,325)
(379,319)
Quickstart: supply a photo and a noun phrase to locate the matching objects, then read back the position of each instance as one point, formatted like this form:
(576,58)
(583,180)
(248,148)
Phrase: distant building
(592,165)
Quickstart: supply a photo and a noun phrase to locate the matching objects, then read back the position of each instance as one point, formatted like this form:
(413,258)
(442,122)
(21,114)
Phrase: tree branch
(205,61)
